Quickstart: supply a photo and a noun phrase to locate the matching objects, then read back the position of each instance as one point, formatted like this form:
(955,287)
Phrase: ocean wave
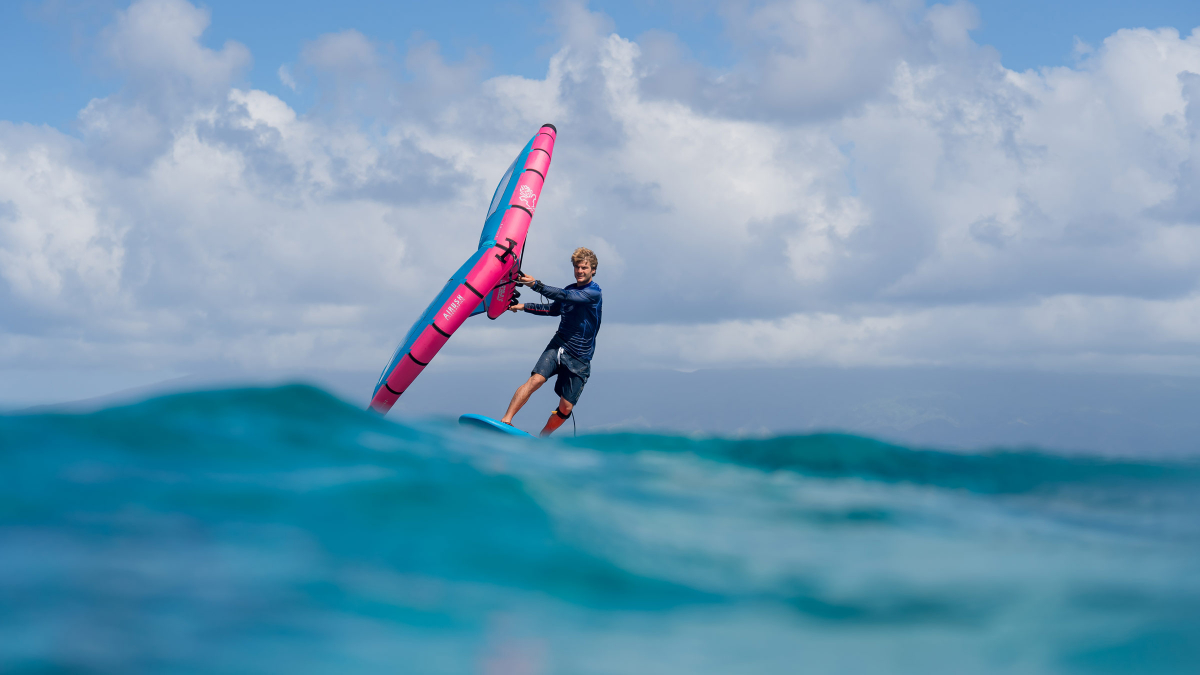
(845,456)
(267,529)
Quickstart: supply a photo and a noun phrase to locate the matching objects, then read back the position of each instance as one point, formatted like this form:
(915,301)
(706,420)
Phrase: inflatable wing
(485,282)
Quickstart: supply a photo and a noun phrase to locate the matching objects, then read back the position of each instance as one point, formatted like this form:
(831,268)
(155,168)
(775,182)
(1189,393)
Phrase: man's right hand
(525,280)
(520,306)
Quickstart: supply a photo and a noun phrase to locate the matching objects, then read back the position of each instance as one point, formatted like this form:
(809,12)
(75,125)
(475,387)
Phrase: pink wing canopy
(496,264)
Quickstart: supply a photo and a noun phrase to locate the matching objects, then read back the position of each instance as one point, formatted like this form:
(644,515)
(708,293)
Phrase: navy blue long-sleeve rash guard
(579,307)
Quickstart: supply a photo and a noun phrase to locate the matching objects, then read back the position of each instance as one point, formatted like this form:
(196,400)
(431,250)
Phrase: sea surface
(283,530)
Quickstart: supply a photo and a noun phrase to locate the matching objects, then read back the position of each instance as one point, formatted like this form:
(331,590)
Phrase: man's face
(583,271)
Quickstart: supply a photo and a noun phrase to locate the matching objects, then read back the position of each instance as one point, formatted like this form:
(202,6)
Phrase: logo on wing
(453,306)
(528,198)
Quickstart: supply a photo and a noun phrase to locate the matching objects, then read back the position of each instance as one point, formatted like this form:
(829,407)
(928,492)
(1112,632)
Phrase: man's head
(585,264)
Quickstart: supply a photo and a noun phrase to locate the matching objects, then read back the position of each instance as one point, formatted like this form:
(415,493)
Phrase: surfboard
(481,422)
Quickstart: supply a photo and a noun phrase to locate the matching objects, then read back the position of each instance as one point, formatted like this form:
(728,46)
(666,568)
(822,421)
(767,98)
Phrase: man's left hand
(526,280)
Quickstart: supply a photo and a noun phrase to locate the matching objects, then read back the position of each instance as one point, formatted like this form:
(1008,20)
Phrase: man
(570,351)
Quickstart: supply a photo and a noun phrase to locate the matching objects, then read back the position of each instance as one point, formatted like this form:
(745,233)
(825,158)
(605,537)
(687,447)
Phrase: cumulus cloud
(1099,334)
(865,186)
(168,74)
(61,258)
(156,44)
(286,79)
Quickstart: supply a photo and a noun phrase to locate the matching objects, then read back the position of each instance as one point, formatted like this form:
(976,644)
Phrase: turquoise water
(281,530)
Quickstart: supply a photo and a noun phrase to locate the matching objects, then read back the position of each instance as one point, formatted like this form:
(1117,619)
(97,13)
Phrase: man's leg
(522,395)
(560,415)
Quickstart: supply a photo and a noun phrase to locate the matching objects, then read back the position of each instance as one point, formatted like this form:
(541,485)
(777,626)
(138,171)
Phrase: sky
(54,41)
(269,187)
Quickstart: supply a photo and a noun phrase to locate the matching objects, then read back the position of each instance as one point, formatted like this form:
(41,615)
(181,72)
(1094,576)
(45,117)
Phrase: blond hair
(582,254)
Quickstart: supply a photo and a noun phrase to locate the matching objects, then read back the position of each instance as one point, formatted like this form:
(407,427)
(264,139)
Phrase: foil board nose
(482,422)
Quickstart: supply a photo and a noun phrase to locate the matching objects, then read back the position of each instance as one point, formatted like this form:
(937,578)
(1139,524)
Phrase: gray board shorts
(572,372)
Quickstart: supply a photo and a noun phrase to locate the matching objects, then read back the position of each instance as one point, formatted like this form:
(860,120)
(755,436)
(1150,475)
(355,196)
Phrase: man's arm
(552,309)
(586,296)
